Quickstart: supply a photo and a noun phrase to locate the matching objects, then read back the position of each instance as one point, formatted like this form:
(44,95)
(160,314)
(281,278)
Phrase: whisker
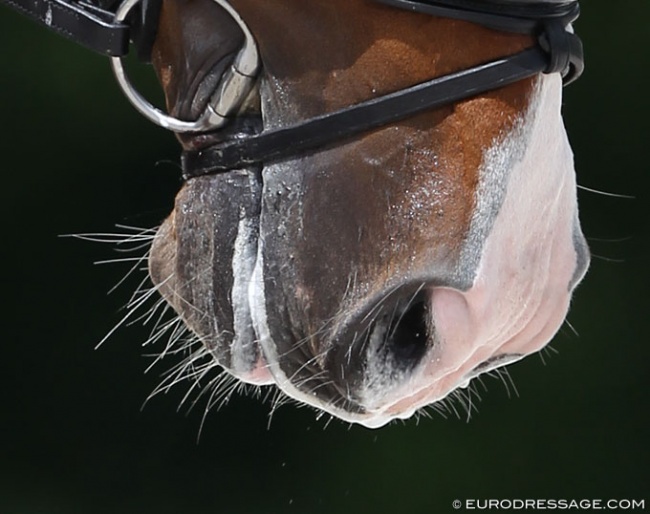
(605,193)
(610,240)
(120,260)
(506,379)
(132,310)
(608,259)
(568,324)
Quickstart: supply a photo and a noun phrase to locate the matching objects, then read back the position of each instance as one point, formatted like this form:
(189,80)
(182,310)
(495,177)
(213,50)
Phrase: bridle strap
(519,17)
(92,24)
(558,51)
(322,131)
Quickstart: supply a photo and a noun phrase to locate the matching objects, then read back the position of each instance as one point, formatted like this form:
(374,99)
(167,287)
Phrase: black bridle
(558,50)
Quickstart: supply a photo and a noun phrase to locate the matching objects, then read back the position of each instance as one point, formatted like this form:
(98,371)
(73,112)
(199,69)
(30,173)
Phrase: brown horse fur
(351,232)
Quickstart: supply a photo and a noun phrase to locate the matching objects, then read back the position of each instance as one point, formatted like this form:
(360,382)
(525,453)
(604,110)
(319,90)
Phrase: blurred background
(74,436)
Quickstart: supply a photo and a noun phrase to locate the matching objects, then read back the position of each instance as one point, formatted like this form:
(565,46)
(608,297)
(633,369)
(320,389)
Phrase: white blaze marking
(243,264)
(521,292)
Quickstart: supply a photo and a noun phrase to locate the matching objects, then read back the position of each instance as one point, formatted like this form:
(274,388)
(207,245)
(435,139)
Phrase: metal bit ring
(231,92)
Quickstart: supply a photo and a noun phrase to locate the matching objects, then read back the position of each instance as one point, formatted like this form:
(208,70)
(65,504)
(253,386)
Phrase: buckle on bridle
(564,50)
(233,89)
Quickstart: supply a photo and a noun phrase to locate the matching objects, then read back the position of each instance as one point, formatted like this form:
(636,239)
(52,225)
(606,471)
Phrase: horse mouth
(493,363)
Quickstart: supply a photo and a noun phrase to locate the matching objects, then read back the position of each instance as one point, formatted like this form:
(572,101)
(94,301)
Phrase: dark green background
(76,158)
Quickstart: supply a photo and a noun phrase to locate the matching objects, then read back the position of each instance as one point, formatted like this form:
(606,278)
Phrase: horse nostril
(409,334)
(381,350)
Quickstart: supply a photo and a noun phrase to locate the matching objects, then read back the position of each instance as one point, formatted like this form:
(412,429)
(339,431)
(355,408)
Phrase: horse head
(374,276)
